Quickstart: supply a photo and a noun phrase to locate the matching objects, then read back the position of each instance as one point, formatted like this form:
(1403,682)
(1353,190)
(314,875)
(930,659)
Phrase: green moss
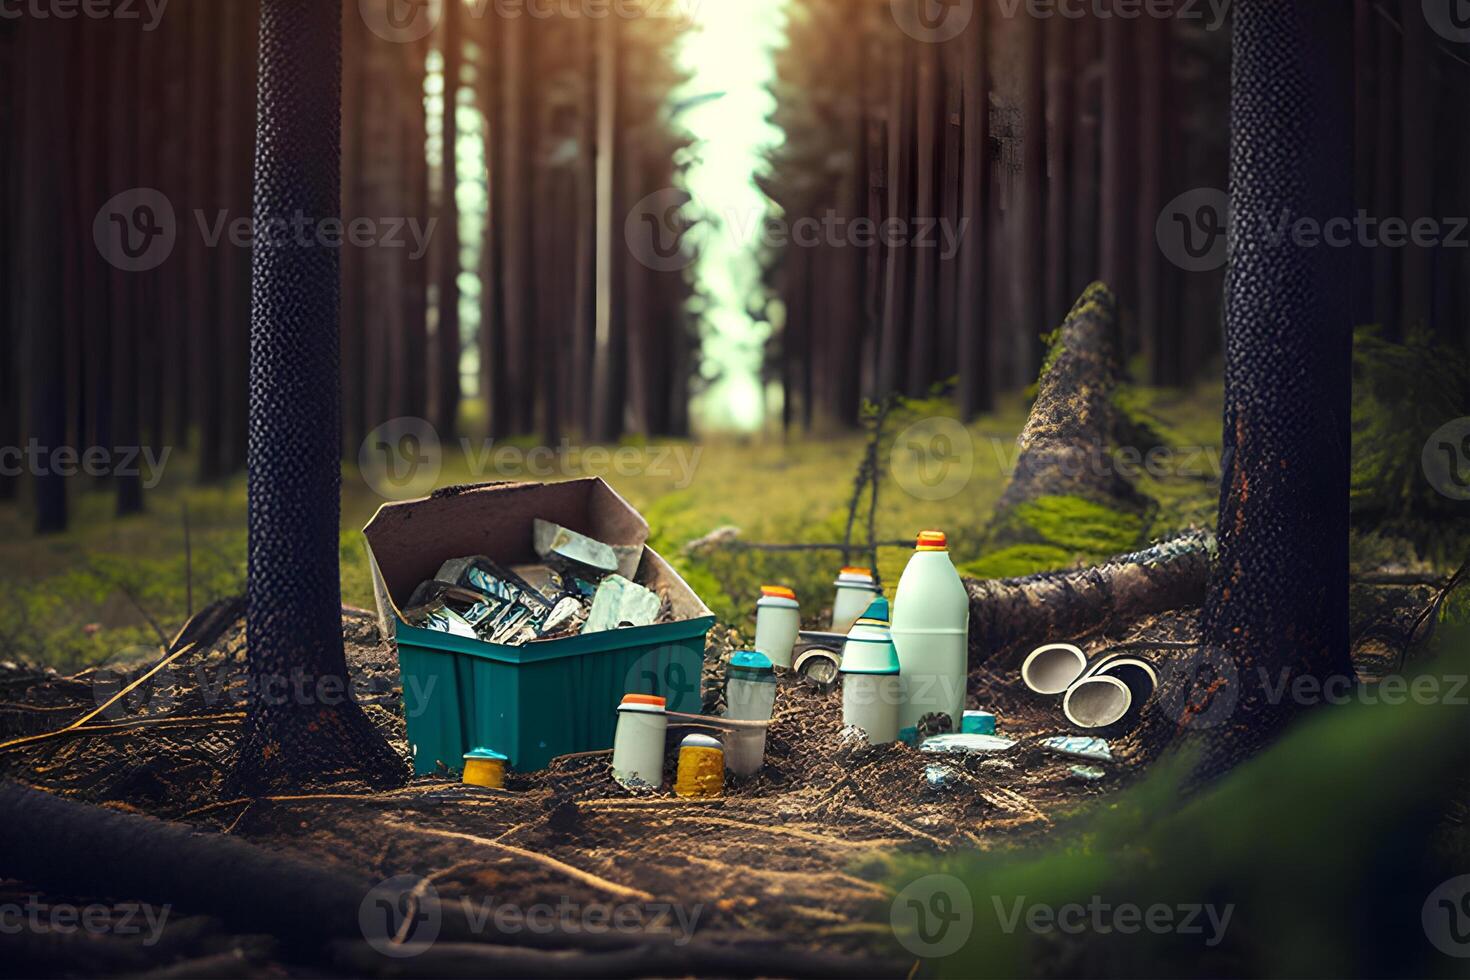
(1080,525)
(1017,561)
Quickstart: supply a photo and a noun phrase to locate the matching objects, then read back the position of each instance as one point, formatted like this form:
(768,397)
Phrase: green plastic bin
(549,697)
(541,700)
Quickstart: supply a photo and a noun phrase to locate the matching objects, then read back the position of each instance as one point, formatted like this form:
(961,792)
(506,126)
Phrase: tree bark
(1277,604)
(302,725)
(976,392)
(448,343)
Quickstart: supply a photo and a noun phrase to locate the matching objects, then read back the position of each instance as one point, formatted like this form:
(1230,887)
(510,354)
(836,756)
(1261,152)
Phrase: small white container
(855,591)
(870,681)
(638,746)
(777,621)
(931,629)
(750,695)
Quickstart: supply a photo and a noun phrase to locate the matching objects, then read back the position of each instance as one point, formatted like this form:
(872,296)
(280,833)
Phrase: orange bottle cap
(931,541)
(854,570)
(652,699)
(778,591)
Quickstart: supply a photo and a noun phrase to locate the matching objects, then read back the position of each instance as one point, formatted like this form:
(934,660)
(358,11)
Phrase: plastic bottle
(638,746)
(855,591)
(931,627)
(701,773)
(750,695)
(870,681)
(777,622)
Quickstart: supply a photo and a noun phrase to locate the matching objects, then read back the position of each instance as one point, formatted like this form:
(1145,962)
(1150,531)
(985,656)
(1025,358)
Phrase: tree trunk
(125,312)
(448,344)
(976,393)
(204,291)
(302,724)
(1277,605)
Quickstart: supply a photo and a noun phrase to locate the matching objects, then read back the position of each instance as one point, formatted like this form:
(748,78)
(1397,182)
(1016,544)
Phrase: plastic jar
(855,591)
(750,695)
(701,773)
(484,767)
(870,680)
(638,746)
(777,622)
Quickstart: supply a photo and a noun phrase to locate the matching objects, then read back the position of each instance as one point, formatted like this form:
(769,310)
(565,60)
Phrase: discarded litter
(966,744)
(1086,774)
(484,767)
(1096,694)
(931,621)
(870,678)
(941,777)
(777,622)
(856,589)
(638,746)
(750,695)
(978,723)
(701,772)
(1052,668)
(1080,746)
(515,666)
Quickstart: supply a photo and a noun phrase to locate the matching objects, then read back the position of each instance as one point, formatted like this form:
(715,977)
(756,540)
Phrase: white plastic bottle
(777,623)
(870,681)
(855,590)
(638,745)
(931,629)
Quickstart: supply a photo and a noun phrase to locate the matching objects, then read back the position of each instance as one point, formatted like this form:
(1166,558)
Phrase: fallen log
(1008,616)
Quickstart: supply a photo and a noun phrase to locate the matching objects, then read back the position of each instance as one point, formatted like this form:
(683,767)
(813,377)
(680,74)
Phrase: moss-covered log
(1008,616)
(1066,497)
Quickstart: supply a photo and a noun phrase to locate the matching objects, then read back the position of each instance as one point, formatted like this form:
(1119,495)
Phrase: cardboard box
(547,697)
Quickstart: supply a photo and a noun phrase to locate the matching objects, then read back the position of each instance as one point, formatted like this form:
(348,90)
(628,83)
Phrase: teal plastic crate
(541,700)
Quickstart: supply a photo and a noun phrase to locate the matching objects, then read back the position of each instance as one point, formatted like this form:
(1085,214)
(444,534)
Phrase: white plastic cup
(638,746)
(855,590)
(750,695)
(1053,668)
(777,623)
(1097,701)
(931,629)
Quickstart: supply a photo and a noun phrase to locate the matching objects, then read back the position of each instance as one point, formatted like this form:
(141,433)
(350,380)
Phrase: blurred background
(660,225)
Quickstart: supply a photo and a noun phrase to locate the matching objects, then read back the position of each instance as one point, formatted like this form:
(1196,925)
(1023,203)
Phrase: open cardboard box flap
(408,540)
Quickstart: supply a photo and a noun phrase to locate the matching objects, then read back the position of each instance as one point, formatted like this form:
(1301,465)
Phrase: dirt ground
(790,858)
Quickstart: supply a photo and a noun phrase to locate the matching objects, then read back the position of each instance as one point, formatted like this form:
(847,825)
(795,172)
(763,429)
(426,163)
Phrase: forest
(1153,314)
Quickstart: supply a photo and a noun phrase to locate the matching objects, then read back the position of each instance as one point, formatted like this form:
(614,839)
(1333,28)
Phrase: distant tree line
(574,337)
(1056,143)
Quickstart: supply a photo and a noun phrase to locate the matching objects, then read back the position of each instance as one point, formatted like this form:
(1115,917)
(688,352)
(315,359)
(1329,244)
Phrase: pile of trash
(581,586)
